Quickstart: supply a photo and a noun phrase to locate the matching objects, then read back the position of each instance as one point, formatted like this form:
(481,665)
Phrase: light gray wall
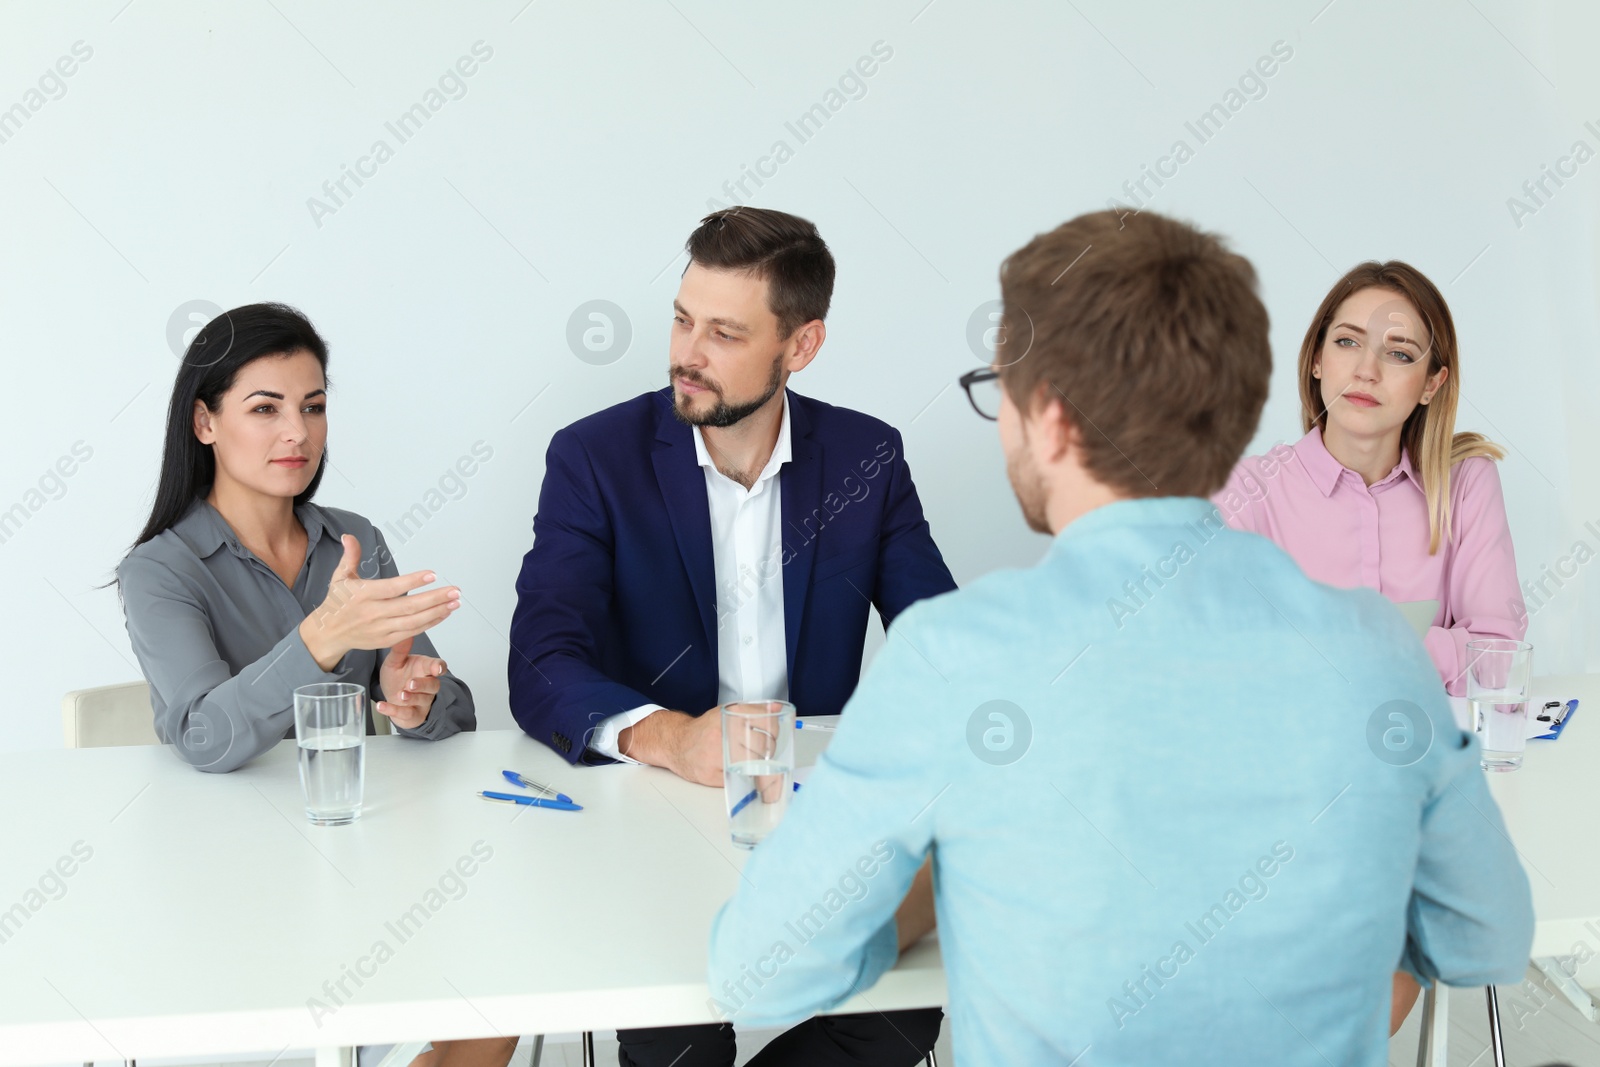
(179,162)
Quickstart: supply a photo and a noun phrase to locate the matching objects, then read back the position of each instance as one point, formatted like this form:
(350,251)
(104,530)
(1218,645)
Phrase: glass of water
(1499,674)
(757,767)
(330,724)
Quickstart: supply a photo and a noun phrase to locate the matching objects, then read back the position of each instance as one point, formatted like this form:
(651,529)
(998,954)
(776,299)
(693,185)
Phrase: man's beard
(722,414)
(1027,484)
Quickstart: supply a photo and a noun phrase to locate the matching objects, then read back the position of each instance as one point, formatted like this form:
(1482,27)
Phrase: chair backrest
(109,715)
(121,714)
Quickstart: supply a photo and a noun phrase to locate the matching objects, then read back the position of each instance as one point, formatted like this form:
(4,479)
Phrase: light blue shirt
(1185,806)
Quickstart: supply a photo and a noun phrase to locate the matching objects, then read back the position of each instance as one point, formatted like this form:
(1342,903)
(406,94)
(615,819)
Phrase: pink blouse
(1345,533)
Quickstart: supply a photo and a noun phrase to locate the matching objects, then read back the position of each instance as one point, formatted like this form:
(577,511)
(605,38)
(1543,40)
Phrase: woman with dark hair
(1381,491)
(239,590)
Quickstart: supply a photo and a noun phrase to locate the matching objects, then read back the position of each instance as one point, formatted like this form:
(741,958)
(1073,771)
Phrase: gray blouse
(217,636)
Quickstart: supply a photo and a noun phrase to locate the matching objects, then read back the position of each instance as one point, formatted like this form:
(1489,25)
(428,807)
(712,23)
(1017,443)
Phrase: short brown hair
(1152,333)
(784,249)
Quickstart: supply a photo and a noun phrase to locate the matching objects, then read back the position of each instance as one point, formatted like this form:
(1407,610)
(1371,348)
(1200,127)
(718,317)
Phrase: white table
(1546,806)
(210,912)
(179,935)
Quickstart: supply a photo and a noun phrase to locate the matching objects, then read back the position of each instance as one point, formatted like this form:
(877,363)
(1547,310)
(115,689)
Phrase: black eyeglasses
(983,392)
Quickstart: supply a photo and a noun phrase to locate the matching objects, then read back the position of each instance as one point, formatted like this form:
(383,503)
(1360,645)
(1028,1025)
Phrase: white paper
(1462,710)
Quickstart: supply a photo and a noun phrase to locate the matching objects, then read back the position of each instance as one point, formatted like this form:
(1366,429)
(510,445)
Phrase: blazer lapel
(801,481)
(683,489)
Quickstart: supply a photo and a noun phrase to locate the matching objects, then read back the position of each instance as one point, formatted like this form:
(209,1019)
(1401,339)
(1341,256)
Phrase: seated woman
(1381,491)
(240,590)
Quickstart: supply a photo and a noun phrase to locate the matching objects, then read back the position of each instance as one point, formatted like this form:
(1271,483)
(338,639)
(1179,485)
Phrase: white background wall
(176,164)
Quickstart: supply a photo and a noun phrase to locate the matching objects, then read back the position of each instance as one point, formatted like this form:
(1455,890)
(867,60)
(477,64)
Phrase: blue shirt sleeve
(1470,920)
(813,921)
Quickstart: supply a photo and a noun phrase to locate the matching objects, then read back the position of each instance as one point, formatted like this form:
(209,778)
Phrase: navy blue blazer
(617,601)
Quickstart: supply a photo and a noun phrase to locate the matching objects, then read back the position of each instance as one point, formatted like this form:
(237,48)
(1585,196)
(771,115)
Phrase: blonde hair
(1428,436)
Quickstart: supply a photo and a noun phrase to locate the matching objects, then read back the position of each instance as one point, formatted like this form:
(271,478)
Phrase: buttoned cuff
(604,738)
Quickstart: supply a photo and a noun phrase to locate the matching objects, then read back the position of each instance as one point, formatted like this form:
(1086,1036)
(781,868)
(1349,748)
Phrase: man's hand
(410,683)
(687,745)
(915,917)
(1402,997)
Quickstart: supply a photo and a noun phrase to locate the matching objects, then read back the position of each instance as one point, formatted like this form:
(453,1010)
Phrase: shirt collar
(1403,467)
(1318,461)
(310,517)
(781,452)
(204,529)
(1141,511)
(1325,471)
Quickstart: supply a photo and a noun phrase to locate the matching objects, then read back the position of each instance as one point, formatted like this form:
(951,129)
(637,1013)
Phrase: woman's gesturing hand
(409,684)
(371,613)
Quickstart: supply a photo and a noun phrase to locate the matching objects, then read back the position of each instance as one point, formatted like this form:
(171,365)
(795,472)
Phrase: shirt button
(748,639)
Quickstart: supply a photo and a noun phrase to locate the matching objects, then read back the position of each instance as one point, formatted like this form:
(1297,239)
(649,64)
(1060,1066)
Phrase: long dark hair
(210,366)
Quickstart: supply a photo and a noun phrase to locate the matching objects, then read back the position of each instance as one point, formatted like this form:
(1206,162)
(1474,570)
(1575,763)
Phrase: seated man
(1183,804)
(721,540)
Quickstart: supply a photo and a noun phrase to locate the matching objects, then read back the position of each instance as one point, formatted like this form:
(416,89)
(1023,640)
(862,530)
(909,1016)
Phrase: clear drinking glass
(1499,673)
(330,724)
(757,767)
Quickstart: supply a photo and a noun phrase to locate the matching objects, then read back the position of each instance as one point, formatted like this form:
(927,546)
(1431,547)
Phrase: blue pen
(802,724)
(532,802)
(737,808)
(527,783)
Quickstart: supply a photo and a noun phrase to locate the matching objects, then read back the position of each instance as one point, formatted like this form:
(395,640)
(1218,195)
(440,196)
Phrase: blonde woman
(1381,491)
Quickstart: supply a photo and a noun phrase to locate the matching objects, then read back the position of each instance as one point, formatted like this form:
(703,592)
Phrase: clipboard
(1560,714)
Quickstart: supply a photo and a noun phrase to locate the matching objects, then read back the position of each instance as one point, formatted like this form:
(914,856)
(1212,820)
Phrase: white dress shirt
(747,555)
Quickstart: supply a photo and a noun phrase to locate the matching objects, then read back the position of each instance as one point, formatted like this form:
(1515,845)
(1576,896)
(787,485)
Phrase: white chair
(109,715)
(1431,1043)
(121,714)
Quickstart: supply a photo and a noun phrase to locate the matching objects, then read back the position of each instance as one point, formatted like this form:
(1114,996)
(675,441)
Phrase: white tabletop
(1546,805)
(210,911)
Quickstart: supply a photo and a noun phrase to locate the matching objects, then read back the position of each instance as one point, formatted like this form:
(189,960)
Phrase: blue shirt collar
(1140,511)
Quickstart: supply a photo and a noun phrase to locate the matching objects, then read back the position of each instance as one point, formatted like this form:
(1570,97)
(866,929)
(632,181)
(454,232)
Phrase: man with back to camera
(717,541)
(1184,805)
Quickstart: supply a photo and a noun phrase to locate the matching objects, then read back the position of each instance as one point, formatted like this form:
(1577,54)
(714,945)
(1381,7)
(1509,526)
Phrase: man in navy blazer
(721,540)
(617,607)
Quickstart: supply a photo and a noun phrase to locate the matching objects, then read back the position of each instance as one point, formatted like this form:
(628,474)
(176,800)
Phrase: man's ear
(807,340)
(203,429)
(1053,427)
